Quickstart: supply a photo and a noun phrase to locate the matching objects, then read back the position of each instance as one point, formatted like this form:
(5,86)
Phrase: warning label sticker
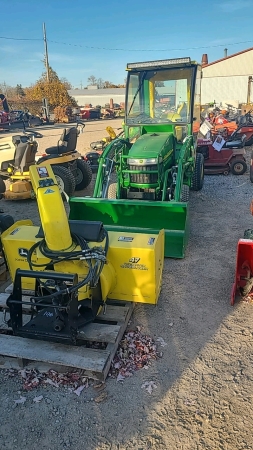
(125,238)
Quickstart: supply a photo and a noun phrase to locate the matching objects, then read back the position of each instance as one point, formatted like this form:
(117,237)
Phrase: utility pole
(46,52)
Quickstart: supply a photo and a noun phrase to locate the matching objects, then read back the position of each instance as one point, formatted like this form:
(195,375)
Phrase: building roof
(227,57)
(96,92)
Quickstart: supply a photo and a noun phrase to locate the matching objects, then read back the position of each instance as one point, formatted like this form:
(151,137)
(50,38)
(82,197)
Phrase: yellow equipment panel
(138,263)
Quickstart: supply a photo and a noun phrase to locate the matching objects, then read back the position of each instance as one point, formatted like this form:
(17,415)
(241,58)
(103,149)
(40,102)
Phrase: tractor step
(106,332)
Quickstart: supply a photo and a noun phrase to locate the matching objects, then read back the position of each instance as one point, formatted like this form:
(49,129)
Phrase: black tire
(198,174)
(251,168)
(247,288)
(2,188)
(84,175)
(65,180)
(112,191)
(6,221)
(238,167)
(185,193)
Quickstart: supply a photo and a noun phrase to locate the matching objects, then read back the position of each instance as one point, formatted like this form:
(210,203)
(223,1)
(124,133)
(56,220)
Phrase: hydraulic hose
(86,253)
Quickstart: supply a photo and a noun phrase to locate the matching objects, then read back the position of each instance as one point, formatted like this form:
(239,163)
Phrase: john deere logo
(23,252)
(141,161)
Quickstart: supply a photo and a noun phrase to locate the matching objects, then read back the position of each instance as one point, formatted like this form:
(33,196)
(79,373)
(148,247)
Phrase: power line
(148,50)
(127,49)
(20,39)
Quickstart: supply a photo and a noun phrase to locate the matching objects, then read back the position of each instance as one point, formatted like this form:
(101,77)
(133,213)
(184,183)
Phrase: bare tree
(92,80)
(66,83)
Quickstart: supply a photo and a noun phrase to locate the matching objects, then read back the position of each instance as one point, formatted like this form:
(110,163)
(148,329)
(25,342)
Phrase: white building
(226,80)
(97,97)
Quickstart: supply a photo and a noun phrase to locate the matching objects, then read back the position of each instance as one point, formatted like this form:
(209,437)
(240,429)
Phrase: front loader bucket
(137,216)
(244,267)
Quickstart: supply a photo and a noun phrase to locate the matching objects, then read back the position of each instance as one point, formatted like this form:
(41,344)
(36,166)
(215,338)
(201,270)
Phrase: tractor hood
(152,145)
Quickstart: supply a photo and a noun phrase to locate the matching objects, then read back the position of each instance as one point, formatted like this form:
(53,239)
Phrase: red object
(244,266)
(4,117)
(84,113)
(230,127)
(218,162)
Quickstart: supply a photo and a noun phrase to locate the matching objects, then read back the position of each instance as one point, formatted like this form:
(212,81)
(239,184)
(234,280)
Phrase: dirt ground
(204,380)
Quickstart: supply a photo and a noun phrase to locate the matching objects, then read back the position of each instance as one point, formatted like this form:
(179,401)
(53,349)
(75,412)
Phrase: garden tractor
(73,267)
(144,176)
(19,152)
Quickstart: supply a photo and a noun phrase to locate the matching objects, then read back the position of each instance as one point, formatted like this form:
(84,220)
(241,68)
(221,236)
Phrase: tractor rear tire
(185,193)
(2,188)
(198,174)
(112,191)
(84,175)
(238,167)
(65,180)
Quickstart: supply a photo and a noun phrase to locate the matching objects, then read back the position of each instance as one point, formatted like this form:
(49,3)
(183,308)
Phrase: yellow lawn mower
(19,152)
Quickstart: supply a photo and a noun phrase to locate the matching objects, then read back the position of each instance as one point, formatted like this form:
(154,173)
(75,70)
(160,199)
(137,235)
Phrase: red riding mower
(231,157)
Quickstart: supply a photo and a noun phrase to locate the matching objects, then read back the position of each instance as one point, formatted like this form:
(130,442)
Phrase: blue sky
(98,38)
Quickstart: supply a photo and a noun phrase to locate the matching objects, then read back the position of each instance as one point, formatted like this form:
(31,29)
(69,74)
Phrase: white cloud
(235,5)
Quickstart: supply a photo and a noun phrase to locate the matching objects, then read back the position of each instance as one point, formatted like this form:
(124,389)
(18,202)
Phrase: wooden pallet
(21,352)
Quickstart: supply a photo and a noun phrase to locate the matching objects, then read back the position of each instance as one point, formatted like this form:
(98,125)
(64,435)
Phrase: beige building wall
(226,81)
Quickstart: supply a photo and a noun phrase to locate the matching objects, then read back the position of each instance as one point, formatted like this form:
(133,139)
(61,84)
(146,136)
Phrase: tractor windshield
(160,96)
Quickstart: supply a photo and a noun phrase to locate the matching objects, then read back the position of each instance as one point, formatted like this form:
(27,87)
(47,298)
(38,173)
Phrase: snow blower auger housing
(73,267)
(144,176)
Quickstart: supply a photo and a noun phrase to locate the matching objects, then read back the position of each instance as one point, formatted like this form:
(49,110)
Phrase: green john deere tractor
(145,174)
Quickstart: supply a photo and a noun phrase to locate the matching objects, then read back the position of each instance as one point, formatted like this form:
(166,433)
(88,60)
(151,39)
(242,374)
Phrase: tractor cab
(163,96)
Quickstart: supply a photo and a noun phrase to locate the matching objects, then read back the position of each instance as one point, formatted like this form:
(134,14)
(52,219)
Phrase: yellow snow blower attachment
(73,267)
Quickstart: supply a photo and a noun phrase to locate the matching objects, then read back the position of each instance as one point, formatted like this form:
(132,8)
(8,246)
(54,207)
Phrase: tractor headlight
(142,162)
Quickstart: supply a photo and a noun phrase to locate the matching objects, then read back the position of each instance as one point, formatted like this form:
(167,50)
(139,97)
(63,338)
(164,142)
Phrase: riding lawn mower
(19,152)
(73,267)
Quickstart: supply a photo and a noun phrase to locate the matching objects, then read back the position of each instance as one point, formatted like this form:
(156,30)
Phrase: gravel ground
(204,381)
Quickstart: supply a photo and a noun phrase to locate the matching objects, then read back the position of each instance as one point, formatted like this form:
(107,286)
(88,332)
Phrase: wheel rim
(79,176)
(238,167)
(60,183)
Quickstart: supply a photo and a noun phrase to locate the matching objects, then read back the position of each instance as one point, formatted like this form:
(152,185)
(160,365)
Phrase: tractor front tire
(65,180)
(84,175)
(185,193)
(198,174)
(2,188)
(238,167)
(112,191)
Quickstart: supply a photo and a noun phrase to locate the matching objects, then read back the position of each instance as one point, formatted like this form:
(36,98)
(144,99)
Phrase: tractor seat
(238,143)
(66,143)
(25,152)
